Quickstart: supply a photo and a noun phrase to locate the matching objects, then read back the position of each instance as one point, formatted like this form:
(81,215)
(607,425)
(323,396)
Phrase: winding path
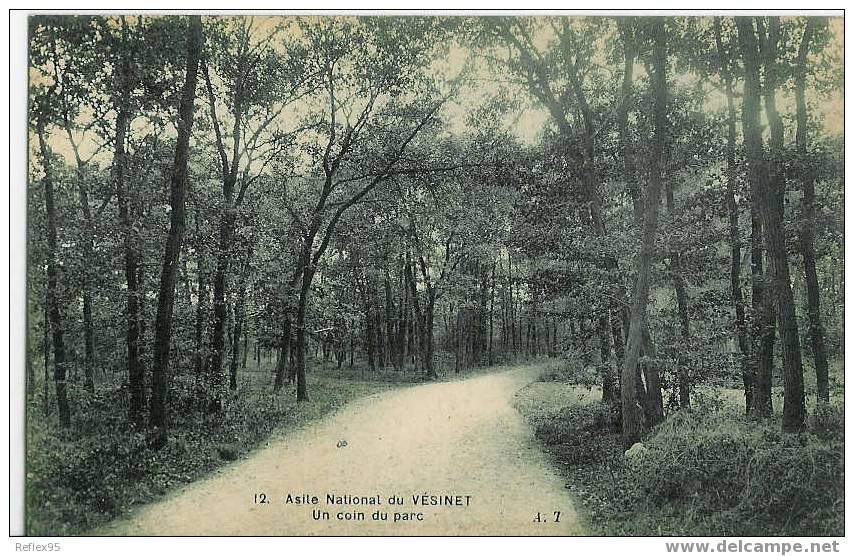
(452,438)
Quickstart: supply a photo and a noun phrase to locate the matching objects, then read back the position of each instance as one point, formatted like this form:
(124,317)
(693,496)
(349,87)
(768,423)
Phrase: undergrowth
(81,478)
(704,471)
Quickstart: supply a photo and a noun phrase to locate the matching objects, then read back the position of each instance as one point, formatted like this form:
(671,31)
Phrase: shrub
(827,422)
(702,472)
(779,483)
(574,432)
(567,369)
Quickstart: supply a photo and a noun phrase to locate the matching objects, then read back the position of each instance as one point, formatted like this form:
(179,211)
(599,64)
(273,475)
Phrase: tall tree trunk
(650,385)
(169,274)
(419,315)
(389,322)
(534,318)
(624,140)
(763,308)
(370,332)
(46,351)
(305,289)
(609,387)
(142,288)
(136,373)
(282,363)
(680,289)
(428,334)
(229,207)
(31,369)
(807,241)
(632,423)
(54,310)
(88,251)
(379,329)
(220,306)
(748,373)
(512,307)
(245,353)
(239,315)
(620,309)
(794,410)
(491,313)
(202,299)
(406,324)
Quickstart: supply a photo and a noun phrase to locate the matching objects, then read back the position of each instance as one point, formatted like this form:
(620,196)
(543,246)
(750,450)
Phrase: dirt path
(453,438)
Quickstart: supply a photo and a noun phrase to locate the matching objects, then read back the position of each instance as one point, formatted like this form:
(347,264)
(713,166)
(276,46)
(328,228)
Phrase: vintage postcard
(434,274)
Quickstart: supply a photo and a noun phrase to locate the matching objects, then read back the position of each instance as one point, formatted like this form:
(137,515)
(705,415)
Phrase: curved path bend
(460,438)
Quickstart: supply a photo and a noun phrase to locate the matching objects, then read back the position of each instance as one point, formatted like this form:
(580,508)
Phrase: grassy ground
(707,471)
(79,479)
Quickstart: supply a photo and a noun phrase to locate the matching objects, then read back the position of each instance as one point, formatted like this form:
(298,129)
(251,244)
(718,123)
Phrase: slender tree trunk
(256,355)
(428,334)
(379,330)
(807,241)
(201,303)
(245,353)
(609,387)
(228,217)
(169,274)
(684,328)
(220,306)
(370,332)
(534,318)
(390,312)
(748,373)
(794,410)
(282,363)
(239,314)
(419,315)
(650,386)
(512,307)
(304,276)
(458,342)
(624,139)
(88,253)
(621,317)
(763,317)
(136,373)
(405,312)
(186,281)
(763,308)
(142,288)
(46,345)
(632,423)
(307,276)
(680,289)
(54,309)
(491,314)
(31,369)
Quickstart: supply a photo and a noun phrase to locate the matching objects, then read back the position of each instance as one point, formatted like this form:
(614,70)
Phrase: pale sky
(526,124)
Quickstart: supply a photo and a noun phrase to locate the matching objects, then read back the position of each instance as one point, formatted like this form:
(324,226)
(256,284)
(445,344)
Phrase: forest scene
(601,257)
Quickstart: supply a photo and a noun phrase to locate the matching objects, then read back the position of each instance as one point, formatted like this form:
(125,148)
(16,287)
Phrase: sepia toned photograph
(417,274)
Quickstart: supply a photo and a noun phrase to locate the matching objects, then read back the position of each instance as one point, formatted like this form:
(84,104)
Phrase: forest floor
(706,471)
(461,438)
(101,468)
